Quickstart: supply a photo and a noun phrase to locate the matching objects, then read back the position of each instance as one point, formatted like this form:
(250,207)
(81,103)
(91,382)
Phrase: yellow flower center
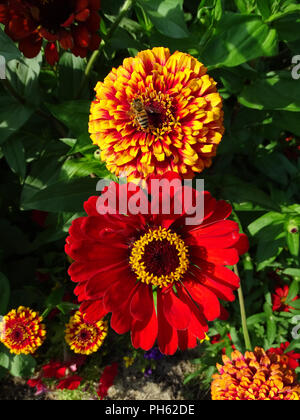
(159,257)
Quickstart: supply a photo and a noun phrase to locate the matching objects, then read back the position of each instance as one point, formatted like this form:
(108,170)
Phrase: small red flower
(291,359)
(279,299)
(73,24)
(71,383)
(107,380)
(160,277)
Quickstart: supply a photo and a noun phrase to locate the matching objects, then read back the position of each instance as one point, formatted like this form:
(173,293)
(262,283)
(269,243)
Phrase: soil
(165,383)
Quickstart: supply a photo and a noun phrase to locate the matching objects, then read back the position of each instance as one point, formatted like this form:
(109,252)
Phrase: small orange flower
(22,331)
(254,376)
(157,112)
(85,337)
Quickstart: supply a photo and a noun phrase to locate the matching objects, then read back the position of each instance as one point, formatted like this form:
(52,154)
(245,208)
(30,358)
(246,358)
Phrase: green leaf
(67,307)
(74,114)
(4,294)
(4,357)
(293,236)
(276,92)
(23,76)
(256,319)
(62,196)
(167,16)
(294,272)
(71,69)
(238,39)
(271,330)
(14,153)
(265,220)
(293,243)
(13,116)
(7,48)
(293,291)
(288,121)
(235,338)
(218,10)
(22,366)
(264,8)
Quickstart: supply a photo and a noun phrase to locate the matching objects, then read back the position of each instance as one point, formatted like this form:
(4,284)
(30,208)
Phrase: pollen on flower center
(155,113)
(159,257)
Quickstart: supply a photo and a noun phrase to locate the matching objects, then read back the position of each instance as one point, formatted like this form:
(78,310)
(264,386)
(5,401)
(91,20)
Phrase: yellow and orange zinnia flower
(85,337)
(22,331)
(254,376)
(157,112)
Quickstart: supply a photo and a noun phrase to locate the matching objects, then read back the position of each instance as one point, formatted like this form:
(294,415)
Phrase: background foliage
(47,158)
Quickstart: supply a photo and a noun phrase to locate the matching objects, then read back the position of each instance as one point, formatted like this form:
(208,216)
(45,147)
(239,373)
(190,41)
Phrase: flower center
(159,257)
(18,334)
(153,112)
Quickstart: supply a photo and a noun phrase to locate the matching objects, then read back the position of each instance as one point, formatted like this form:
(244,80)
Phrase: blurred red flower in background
(290,358)
(73,24)
(279,299)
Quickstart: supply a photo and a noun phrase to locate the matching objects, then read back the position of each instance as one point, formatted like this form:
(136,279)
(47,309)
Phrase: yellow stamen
(138,251)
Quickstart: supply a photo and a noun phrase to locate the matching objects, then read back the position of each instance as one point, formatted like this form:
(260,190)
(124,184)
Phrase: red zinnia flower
(290,358)
(160,277)
(72,23)
(107,380)
(279,299)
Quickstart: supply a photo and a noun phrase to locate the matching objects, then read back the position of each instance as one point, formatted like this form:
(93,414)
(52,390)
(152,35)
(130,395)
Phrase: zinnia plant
(85,337)
(71,24)
(256,375)
(157,112)
(22,331)
(160,278)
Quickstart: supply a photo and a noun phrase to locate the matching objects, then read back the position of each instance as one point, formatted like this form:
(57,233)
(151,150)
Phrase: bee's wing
(151,110)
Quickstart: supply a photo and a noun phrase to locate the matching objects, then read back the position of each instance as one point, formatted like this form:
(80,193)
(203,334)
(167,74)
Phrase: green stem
(94,57)
(243,313)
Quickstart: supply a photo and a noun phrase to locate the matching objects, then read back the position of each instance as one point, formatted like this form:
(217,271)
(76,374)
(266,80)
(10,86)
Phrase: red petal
(94,42)
(186,340)
(243,244)
(144,333)
(93,310)
(81,36)
(93,22)
(167,335)
(98,285)
(83,15)
(223,234)
(90,206)
(206,299)
(95,4)
(119,292)
(30,46)
(177,313)
(141,306)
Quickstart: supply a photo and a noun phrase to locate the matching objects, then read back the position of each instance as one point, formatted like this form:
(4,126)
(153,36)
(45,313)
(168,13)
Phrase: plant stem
(243,313)
(94,57)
